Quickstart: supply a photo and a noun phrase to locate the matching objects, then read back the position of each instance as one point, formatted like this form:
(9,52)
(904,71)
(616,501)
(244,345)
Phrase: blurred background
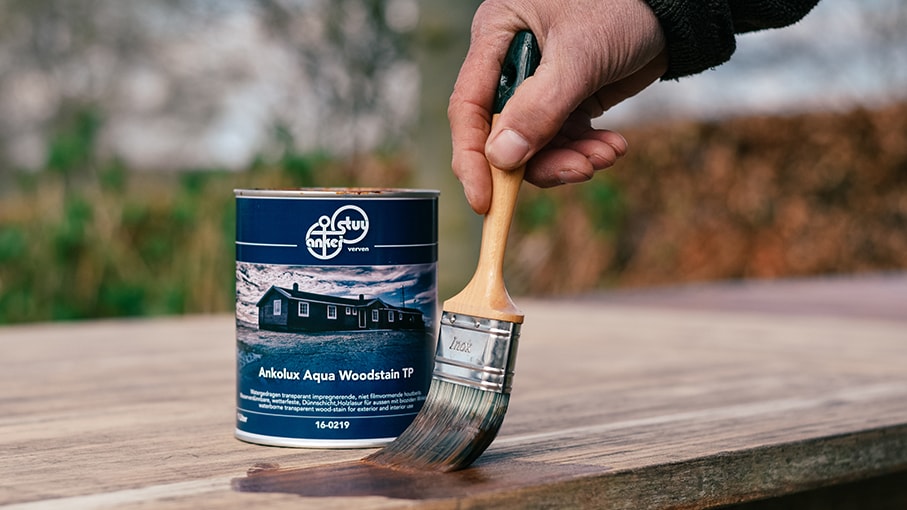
(125,127)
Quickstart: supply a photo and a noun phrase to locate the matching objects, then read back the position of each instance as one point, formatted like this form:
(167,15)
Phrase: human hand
(595,54)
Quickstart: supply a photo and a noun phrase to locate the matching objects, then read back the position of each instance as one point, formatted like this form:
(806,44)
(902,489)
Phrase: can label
(336,299)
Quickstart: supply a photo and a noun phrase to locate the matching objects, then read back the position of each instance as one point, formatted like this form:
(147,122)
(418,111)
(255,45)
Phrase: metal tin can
(336,313)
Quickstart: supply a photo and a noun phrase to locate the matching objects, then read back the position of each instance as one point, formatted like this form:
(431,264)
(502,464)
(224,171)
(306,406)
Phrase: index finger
(469,113)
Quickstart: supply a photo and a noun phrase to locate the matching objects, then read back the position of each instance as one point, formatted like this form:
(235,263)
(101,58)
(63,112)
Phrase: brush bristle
(456,424)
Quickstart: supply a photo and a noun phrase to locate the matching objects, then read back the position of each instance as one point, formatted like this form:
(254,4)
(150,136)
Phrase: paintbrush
(480,329)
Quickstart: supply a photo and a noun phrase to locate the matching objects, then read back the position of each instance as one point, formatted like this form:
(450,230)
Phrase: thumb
(532,117)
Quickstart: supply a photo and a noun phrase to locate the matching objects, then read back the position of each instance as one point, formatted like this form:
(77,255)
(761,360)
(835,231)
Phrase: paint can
(336,314)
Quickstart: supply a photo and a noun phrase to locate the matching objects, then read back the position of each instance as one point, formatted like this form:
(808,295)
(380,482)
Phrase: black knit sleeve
(700,34)
(749,15)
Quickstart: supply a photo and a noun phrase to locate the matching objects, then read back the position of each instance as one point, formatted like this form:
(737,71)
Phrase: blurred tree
(356,54)
(204,83)
(51,67)
(886,25)
(441,42)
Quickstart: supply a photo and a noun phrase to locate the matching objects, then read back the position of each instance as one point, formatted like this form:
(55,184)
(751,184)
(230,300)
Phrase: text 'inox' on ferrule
(476,352)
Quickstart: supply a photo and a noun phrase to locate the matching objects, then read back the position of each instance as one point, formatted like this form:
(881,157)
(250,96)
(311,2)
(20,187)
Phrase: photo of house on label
(291,309)
(331,298)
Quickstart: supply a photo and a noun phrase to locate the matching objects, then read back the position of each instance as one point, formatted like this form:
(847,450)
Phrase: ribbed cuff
(750,15)
(699,34)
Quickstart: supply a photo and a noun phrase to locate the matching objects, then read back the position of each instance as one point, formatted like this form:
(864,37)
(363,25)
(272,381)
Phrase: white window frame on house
(332,311)
(375,316)
(349,310)
(390,316)
(303,308)
(275,307)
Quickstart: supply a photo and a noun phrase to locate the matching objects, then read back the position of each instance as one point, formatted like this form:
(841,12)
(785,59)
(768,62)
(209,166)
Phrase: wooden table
(680,398)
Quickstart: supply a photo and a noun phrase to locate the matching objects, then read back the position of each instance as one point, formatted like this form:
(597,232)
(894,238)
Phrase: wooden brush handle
(485,295)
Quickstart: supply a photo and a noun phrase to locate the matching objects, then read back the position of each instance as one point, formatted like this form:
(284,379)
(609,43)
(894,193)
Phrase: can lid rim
(335,192)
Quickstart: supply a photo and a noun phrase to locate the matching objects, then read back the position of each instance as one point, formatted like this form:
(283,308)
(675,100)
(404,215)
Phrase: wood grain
(614,406)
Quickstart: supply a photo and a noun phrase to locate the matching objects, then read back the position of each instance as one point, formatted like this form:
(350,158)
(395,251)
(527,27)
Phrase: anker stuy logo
(326,238)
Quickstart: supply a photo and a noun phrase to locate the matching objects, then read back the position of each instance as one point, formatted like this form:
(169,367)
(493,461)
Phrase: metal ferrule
(476,352)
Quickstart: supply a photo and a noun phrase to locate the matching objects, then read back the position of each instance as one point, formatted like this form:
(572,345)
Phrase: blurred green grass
(85,237)
(113,243)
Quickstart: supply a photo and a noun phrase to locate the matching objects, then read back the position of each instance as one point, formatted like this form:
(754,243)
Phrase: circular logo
(326,238)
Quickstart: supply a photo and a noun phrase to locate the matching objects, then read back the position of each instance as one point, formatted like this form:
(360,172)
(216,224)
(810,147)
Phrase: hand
(595,54)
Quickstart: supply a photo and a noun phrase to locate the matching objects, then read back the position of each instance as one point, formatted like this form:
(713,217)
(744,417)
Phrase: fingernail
(572,177)
(621,146)
(477,203)
(507,150)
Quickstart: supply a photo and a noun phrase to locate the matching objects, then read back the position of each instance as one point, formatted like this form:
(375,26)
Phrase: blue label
(373,231)
(335,315)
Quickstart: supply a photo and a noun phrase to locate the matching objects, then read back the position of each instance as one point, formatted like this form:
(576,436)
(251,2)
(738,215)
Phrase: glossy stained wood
(633,404)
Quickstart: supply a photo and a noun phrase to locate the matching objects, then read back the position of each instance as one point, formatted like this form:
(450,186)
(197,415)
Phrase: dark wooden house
(281,309)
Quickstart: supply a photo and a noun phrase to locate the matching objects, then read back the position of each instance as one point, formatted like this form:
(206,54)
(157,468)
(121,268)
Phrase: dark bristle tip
(456,424)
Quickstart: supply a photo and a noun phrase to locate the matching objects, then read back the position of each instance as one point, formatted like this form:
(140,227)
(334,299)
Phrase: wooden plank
(873,295)
(879,493)
(613,406)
